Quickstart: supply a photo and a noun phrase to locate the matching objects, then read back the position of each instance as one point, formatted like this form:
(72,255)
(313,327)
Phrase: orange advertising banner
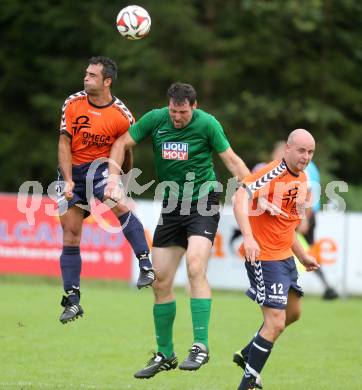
(31,241)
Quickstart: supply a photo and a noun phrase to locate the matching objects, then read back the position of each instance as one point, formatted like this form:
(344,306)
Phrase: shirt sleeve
(123,124)
(65,121)
(217,137)
(143,128)
(258,183)
(124,117)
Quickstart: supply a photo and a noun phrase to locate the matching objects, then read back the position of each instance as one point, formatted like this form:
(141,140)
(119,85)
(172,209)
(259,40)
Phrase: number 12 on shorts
(277,288)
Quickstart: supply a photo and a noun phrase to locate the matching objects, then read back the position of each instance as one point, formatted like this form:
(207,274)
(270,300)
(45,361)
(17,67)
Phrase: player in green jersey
(184,139)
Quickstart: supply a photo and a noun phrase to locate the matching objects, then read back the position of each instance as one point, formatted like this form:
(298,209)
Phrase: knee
(275,326)
(162,287)
(71,236)
(195,269)
(279,327)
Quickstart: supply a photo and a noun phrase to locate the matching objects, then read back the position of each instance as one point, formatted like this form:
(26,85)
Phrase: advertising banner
(337,247)
(31,243)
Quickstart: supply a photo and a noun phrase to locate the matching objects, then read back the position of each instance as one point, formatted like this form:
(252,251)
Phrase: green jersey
(183,156)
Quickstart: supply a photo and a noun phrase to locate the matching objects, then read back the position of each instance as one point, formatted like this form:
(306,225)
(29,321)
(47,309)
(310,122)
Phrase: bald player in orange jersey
(91,122)
(268,208)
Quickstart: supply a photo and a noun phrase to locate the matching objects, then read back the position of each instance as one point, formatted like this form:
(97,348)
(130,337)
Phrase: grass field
(112,341)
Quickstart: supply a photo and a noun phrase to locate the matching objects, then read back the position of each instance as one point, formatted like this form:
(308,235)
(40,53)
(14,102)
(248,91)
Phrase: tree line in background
(262,67)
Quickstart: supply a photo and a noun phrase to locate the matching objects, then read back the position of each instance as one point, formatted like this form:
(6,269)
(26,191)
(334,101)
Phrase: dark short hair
(109,67)
(180,92)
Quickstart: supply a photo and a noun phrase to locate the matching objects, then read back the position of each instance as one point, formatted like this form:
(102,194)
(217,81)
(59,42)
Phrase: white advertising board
(338,246)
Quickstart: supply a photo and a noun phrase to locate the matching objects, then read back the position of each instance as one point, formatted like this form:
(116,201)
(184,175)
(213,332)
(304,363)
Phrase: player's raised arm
(234,164)
(135,134)
(65,163)
(120,153)
(221,145)
(241,212)
(118,150)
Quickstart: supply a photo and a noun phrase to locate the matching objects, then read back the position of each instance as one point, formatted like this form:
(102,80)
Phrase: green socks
(164,316)
(200,312)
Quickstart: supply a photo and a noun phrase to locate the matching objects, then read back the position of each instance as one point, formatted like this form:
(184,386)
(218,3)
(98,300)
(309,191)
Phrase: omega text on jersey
(95,139)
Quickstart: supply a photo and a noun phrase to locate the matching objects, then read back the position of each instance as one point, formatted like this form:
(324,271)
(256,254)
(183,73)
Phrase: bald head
(300,136)
(299,150)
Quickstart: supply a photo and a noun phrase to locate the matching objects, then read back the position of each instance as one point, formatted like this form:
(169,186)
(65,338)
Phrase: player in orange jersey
(269,243)
(91,122)
(308,225)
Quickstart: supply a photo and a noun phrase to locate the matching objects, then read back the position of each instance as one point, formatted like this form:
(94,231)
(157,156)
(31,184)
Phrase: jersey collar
(105,106)
(292,173)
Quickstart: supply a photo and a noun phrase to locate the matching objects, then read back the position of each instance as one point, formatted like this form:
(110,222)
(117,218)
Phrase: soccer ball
(133,22)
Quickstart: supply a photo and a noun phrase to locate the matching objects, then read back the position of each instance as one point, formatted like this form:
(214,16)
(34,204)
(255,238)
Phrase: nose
(305,155)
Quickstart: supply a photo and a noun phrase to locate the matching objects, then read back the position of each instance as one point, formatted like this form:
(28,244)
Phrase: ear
(194,106)
(107,82)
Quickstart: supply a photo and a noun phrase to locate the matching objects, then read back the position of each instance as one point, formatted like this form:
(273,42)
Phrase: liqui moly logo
(175,151)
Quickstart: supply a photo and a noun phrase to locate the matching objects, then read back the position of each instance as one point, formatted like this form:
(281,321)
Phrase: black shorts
(174,228)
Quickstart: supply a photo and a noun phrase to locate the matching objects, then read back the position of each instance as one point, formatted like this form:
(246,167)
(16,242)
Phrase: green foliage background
(262,67)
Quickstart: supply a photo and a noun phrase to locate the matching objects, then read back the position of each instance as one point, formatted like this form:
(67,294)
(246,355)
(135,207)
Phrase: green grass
(104,348)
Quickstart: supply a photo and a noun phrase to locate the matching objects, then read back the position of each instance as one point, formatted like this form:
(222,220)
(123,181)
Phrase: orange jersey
(288,191)
(93,129)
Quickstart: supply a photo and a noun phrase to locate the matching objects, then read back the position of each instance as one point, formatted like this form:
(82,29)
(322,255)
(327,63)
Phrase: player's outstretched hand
(310,263)
(252,249)
(68,190)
